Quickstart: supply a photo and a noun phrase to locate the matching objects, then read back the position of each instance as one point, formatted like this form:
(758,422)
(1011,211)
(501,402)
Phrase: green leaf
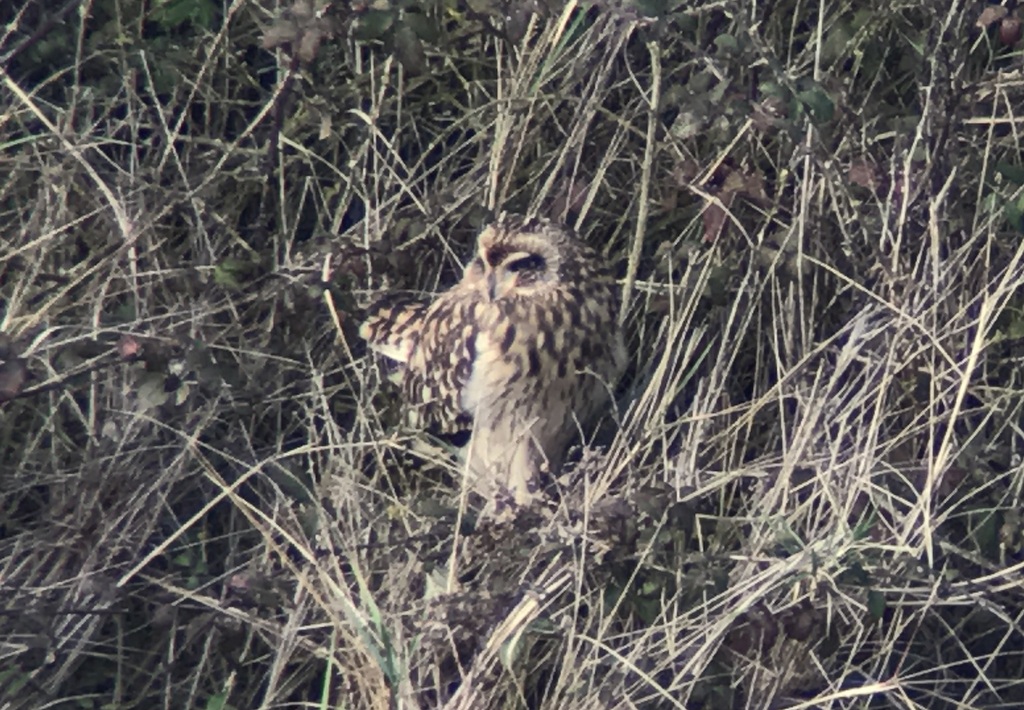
(230,273)
(151,391)
(771,88)
(1013,173)
(218,702)
(863,528)
(876,604)
(125,312)
(373,24)
(172,14)
(985,532)
(1014,213)
(183,559)
(409,50)
(727,44)
(651,8)
(424,27)
(837,43)
(1016,327)
(12,681)
(817,104)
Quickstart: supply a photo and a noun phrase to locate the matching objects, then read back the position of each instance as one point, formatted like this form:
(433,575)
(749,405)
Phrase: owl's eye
(533,262)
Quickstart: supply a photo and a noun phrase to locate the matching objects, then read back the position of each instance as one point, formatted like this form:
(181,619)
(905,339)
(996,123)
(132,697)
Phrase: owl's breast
(503,368)
(526,361)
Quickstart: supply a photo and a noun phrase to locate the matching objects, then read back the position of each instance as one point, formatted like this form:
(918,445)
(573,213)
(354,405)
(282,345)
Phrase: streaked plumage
(525,349)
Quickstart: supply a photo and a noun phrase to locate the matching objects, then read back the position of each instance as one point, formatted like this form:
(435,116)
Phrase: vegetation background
(812,494)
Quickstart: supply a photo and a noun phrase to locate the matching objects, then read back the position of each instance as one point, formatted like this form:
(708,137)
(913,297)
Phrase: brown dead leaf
(990,15)
(1009,31)
(128,347)
(753,632)
(715,216)
(6,346)
(659,305)
(301,29)
(683,172)
(769,113)
(801,622)
(749,185)
(864,173)
(13,375)
(679,178)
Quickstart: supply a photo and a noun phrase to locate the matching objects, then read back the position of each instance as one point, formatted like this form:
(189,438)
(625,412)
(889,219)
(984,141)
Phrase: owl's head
(517,257)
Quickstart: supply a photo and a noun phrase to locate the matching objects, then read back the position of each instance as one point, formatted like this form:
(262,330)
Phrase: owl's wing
(393,326)
(434,353)
(440,366)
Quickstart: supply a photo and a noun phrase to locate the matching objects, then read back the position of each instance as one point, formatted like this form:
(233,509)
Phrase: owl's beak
(492,285)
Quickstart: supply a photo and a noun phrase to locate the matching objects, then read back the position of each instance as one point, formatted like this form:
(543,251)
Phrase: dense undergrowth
(811,492)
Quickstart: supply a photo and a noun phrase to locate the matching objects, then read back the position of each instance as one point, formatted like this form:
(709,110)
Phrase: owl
(524,351)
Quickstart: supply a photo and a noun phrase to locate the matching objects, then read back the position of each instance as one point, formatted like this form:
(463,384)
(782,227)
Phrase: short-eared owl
(524,350)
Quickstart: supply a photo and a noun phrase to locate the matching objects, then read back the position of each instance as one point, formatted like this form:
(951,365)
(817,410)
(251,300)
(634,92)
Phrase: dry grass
(811,494)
